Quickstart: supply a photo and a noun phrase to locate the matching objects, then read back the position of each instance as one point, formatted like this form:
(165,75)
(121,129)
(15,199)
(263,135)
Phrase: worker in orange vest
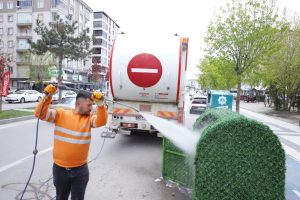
(72,138)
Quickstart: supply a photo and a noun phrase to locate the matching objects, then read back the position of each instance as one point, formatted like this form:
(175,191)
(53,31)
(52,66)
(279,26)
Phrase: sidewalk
(259,107)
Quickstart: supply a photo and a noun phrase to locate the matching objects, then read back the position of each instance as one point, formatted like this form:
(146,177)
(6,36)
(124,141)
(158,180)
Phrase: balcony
(24,35)
(24,23)
(23,61)
(59,5)
(22,45)
(24,5)
(24,19)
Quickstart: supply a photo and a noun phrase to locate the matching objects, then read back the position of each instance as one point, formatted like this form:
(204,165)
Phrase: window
(59,3)
(100,33)
(10,5)
(24,18)
(100,15)
(96,59)
(23,44)
(24,4)
(1,5)
(97,15)
(97,51)
(98,41)
(1,31)
(10,57)
(10,31)
(10,43)
(1,44)
(1,18)
(99,24)
(40,4)
(10,18)
(40,17)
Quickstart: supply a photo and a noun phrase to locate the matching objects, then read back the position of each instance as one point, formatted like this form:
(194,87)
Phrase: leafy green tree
(39,67)
(61,40)
(217,73)
(282,73)
(243,33)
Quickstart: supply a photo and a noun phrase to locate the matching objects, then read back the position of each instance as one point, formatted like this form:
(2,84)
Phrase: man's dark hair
(84,95)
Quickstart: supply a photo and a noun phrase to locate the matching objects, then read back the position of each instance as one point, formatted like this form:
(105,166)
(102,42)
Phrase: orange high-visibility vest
(72,134)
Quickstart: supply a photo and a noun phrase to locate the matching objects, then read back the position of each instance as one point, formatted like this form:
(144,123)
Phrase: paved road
(129,167)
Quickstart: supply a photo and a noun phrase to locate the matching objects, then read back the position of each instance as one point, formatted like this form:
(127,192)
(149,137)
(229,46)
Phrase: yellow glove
(50,89)
(98,98)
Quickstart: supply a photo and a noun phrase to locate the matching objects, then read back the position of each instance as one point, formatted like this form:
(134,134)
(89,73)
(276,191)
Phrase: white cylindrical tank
(147,69)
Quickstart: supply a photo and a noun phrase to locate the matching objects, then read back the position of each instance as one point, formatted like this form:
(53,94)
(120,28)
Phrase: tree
(60,39)
(243,33)
(96,69)
(217,73)
(39,67)
(282,72)
(4,67)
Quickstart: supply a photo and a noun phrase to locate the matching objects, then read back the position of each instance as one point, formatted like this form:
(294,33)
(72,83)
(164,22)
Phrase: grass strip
(7,114)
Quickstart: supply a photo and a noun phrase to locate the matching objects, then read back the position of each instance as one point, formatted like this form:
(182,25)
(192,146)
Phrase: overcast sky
(189,18)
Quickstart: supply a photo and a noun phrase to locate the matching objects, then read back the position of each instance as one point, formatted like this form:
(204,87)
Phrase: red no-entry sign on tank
(144,70)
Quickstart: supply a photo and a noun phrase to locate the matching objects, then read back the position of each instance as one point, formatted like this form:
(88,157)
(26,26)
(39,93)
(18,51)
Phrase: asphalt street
(127,167)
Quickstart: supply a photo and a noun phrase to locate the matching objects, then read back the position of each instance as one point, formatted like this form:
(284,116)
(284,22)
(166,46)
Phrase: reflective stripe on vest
(70,140)
(48,115)
(53,115)
(74,133)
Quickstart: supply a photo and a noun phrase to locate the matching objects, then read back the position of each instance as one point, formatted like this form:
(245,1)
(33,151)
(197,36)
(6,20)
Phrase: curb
(16,119)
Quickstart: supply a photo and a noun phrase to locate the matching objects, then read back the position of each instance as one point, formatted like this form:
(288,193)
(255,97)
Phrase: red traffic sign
(144,70)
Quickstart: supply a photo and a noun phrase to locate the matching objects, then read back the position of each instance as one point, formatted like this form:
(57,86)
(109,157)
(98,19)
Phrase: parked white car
(64,94)
(198,104)
(23,96)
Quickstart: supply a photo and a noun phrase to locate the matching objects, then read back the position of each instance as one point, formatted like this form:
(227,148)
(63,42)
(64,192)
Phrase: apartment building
(17,23)
(105,30)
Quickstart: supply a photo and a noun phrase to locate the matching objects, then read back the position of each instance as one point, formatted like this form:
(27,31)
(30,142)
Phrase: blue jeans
(72,180)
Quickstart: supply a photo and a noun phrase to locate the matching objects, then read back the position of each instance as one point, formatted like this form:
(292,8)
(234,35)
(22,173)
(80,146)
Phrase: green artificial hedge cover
(237,158)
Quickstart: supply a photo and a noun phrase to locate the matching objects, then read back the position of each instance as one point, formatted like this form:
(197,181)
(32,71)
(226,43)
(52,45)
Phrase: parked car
(67,103)
(64,94)
(23,96)
(198,104)
(11,91)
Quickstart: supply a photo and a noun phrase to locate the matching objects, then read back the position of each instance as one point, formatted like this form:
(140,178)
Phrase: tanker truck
(147,75)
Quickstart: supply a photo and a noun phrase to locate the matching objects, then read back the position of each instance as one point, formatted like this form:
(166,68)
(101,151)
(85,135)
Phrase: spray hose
(35,151)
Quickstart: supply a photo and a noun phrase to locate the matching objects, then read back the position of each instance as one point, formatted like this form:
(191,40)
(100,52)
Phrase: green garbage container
(176,165)
(219,99)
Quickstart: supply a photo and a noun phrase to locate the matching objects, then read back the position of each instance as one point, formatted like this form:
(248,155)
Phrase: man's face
(85,106)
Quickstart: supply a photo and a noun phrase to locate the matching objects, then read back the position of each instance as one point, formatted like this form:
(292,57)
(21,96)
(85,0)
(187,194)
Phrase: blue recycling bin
(219,99)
